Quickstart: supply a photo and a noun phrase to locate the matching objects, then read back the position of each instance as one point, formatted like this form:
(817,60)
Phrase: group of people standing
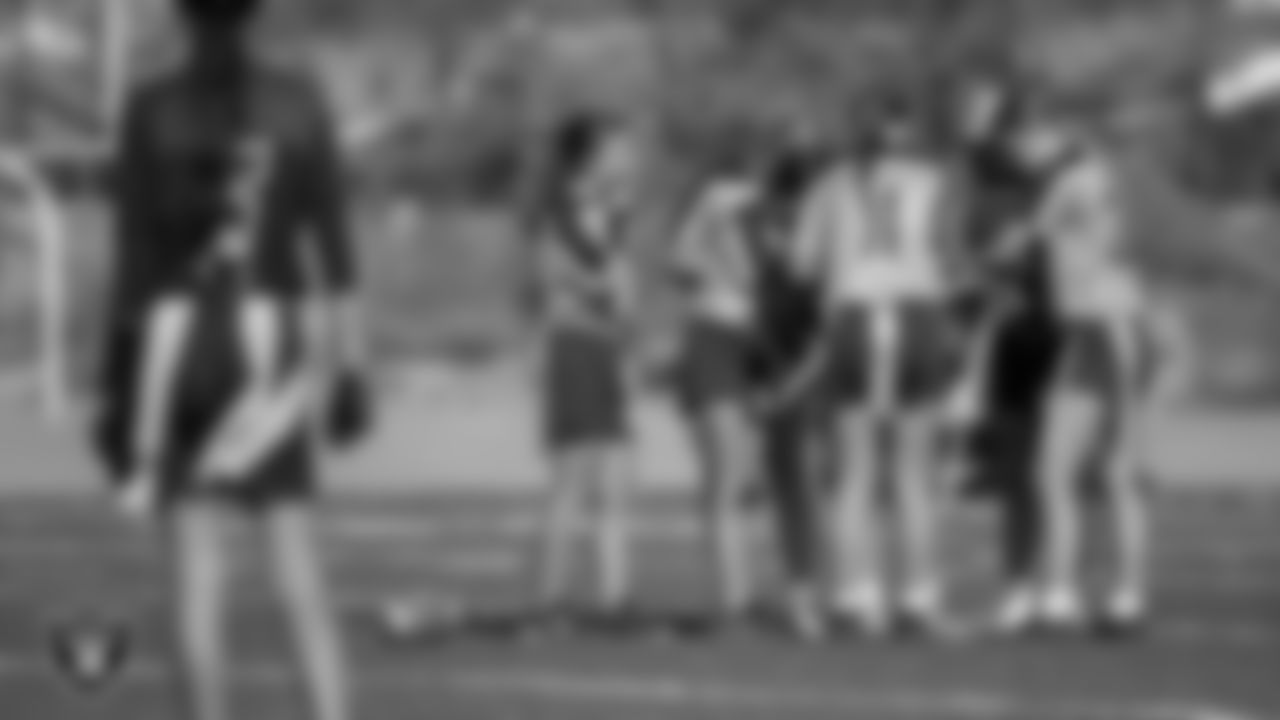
(852,317)
(864,328)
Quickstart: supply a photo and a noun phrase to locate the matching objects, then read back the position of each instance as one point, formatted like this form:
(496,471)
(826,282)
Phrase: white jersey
(1082,220)
(873,238)
(714,250)
(908,199)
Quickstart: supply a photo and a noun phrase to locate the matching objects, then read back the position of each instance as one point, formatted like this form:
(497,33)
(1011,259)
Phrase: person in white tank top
(712,252)
(1081,220)
(1097,390)
(900,261)
(714,266)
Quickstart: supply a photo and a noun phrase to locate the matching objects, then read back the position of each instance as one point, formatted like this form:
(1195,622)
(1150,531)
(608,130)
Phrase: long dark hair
(217,15)
(575,143)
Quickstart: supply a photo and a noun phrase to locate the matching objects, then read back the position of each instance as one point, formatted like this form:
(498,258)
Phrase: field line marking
(567,686)
(384,527)
(955,704)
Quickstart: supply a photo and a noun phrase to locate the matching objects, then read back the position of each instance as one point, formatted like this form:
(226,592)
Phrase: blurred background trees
(442,103)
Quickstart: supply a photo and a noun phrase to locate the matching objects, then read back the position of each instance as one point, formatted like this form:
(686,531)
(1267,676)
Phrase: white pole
(47,233)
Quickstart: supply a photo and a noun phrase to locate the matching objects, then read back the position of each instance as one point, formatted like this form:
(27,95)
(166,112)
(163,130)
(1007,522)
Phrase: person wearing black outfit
(223,342)
(1025,344)
(795,430)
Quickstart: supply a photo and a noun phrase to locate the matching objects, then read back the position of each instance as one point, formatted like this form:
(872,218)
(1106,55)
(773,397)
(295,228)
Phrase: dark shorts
(584,390)
(1091,358)
(208,381)
(1024,355)
(715,366)
(1096,359)
(925,363)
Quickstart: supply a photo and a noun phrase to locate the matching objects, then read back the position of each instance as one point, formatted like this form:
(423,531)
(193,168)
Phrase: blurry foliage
(462,91)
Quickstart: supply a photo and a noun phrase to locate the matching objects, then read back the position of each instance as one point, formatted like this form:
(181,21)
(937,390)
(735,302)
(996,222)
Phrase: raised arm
(811,249)
(958,262)
(688,252)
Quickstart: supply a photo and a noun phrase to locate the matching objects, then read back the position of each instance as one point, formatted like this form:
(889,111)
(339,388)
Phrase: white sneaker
(1125,608)
(865,606)
(1062,609)
(1017,611)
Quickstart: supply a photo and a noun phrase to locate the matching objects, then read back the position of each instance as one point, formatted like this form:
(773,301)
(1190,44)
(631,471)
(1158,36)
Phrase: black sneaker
(617,622)
(720,625)
(932,625)
(1120,624)
(519,625)
(804,624)
(553,623)
(850,625)
(691,627)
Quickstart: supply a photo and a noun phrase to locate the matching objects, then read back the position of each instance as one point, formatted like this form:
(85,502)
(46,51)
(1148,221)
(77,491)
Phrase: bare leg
(725,440)
(1127,500)
(856,530)
(200,569)
(298,567)
(1073,418)
(562,526)
(915,466)
(613,526)
(860,590)
(1131,532)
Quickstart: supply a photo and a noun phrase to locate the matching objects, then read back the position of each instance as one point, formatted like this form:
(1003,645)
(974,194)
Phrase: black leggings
(797,481)
(1010,460)
(1023,364)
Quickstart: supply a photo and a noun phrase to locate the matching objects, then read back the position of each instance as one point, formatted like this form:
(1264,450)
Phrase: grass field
(441,507)
(1214,655)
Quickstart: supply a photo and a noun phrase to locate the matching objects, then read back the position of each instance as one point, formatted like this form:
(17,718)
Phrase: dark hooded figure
(796,436)
(232,311)
(1026,339)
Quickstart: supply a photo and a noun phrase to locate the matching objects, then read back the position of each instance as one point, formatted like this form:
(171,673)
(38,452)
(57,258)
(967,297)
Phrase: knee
(720,497)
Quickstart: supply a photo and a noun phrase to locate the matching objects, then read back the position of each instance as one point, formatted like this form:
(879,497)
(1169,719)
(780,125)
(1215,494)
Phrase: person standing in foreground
(218,356)
(1093,429)
(586,298)
(715,266)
